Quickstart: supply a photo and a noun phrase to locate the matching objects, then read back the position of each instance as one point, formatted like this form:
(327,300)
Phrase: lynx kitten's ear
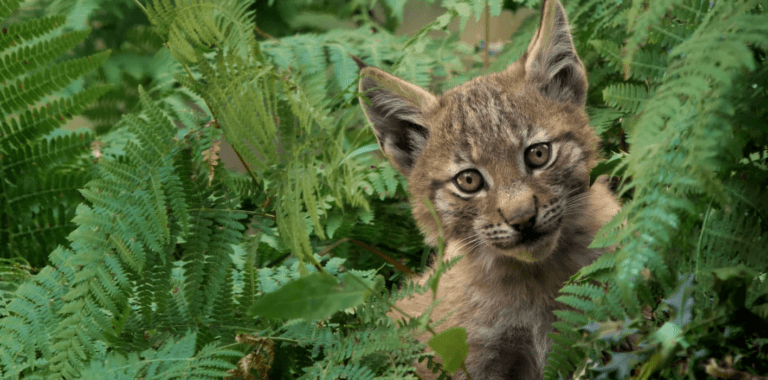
(396,110)
(551,59)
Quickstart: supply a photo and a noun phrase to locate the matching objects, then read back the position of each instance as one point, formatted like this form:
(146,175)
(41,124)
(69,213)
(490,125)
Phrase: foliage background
(129,251)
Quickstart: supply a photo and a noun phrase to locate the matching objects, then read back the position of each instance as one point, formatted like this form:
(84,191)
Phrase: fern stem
(241,328)
(687,8)
(138,4)
(384,257)
(213,113)
(262,33)
(256,213)
(189,72)
(464,369)
(239,157)
(667,33)
(701,237)
(7,204)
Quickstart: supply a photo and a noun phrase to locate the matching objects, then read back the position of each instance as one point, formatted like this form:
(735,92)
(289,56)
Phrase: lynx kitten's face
(504,158)
(503,169)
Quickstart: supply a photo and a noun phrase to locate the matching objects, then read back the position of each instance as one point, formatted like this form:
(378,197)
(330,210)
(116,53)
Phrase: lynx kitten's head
(504,158)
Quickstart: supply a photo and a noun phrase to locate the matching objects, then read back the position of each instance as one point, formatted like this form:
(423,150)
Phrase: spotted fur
(526,229)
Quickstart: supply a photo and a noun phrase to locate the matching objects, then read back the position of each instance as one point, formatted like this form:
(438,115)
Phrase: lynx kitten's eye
(537,155)
(469,180)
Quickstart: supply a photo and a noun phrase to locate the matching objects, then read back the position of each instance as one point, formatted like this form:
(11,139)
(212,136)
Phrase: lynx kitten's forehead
(488,121)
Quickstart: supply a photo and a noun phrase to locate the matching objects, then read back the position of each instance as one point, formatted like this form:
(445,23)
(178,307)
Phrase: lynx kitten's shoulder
(505,159)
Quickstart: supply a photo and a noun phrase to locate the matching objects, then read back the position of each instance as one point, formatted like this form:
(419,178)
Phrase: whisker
(476,243)
(466,238)
(576,199)
(465,242)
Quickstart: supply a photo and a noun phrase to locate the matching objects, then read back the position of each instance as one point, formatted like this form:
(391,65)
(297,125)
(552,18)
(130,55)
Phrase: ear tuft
(360,64)
(551,60)
(396,110)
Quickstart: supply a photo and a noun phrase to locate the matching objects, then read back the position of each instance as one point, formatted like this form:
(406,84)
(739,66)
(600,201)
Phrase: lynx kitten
(505,160)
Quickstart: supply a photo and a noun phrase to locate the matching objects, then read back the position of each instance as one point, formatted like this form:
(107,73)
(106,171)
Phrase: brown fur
(527,229)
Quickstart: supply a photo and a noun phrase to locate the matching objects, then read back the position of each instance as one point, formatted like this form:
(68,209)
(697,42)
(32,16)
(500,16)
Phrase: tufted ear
(396,109)
(551,61)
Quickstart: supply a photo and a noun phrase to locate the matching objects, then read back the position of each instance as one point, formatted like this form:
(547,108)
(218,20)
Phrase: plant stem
(487,34)
(701,236)
(138,4)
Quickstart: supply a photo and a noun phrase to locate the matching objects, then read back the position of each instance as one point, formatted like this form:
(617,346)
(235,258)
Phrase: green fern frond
(352,371)
(47,153)
(190,25)
(629,98)
(646,64)
(33,124)
(26,92)
(114,244)
(565,353)
(38,208)
(684,105)
(175,359)
(16,34)
(605,263)
(345,69)
(574,318)
(28,58)
(641,19)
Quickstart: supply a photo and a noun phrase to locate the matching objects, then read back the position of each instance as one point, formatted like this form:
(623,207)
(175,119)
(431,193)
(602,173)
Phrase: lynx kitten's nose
(524,221)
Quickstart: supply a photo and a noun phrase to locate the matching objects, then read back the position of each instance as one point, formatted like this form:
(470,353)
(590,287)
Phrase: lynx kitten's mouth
(534,246)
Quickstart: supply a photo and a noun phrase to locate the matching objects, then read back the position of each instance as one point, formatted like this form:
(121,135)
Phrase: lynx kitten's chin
(532,251)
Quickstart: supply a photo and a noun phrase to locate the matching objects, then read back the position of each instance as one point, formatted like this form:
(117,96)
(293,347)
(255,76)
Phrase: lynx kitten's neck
(490,295)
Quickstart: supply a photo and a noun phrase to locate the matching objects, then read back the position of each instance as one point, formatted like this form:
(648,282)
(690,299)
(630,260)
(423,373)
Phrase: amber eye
(469,180)
(537,155)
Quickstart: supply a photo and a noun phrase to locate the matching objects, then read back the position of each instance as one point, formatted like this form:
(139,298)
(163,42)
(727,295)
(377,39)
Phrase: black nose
(526,225)
(523,221)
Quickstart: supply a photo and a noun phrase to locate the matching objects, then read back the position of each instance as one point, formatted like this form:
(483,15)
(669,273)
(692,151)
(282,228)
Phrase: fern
(287,121)
(116,245)
(170,249)
(681,126)
(626,97)
(173,360)
(37,208)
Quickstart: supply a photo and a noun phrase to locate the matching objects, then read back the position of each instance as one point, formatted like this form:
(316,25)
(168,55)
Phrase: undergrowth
(129,251)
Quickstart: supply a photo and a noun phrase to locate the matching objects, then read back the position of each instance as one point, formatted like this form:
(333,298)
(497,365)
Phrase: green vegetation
(129,251)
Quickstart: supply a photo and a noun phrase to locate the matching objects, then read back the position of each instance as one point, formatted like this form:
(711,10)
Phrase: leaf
(669,335)
(332,224)
(626,97)
(452,347)
(496,6)
(344,68)
(608,166)
(211,159)
(365,216)
(731,284)
(396,8)
(620,362)
(312,297)
(361,150)
(683,305)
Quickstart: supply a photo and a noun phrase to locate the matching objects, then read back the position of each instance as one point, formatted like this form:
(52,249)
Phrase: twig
(262,33)
(487,35)
(373,250)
